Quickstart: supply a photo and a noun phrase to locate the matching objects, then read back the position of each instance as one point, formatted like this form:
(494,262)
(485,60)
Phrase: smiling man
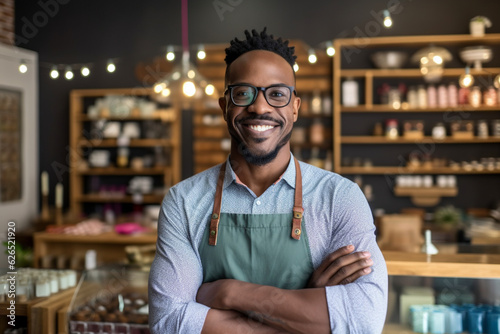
(263,243)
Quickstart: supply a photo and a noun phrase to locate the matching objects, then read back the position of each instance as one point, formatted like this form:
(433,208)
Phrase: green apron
(257,248)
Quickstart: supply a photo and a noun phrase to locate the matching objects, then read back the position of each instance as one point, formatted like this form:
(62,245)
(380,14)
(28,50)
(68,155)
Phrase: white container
(350,93)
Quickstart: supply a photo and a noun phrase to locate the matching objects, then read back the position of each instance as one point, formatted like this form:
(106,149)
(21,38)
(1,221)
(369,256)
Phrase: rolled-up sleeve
(359,307)
(175,276)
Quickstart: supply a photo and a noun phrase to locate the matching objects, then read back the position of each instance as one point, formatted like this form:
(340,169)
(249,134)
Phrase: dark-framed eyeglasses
(243,95)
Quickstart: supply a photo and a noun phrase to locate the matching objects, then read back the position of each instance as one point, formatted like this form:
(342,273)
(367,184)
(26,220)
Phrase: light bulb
(496,81)
(387,19)
(170,53)
(85,71)
(23,68)
(210,90)
(165,92)
(111,67)
(424,60)
(176,75)
(158,88)
(437,59)
(296,67)
(466,80)
(312,57)
(330,51)
(54,73)
(68,74)
(170,56)
(191,74)
(188,88)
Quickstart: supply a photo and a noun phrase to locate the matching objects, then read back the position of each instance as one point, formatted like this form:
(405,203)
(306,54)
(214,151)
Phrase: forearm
(226,321)
(295,311)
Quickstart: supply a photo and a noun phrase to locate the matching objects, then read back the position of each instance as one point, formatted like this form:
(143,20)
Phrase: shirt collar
(288,176)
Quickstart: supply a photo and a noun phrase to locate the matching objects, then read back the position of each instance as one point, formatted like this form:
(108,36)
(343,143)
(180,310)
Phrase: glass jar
(463,95)
(442,96)
(412,97)
(452,95)
(475,97)
(439,131)
(431,96)
(317,132)
(42,288)
(490,96)
(122,159)
(422,96)
(350,93)
(482,129)
(3,289)
(391,129)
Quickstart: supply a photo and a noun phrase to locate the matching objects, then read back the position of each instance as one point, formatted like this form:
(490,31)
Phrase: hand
(341,267)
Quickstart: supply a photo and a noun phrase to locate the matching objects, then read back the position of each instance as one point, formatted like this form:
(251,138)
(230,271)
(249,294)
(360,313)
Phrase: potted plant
(477,25)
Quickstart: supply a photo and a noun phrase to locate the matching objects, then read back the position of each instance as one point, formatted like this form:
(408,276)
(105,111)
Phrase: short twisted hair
(259,41)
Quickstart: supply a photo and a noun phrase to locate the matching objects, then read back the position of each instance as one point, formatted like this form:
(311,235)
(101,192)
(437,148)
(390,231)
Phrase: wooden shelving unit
(366,77)
(81,146)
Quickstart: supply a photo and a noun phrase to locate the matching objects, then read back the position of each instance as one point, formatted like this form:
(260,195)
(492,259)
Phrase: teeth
(261,128)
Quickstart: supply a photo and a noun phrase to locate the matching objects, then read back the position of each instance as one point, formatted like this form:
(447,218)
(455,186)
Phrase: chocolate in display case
(111,300)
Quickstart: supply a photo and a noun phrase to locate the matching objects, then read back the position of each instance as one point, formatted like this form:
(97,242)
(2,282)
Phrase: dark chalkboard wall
(91,31)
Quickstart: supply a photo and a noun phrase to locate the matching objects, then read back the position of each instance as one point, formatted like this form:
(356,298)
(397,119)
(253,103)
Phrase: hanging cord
(185,41)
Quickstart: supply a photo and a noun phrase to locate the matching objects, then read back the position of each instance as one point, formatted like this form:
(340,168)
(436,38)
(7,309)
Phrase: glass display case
(455,291)
(110,300)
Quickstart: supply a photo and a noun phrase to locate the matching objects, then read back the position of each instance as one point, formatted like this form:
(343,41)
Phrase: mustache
(261,118)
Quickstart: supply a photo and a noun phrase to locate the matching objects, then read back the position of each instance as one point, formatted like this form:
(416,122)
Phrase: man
(263,243)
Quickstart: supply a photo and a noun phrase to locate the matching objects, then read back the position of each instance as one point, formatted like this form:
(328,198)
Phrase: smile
(261,128)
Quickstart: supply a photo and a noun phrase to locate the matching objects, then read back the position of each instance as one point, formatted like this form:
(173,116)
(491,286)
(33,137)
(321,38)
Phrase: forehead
(260,68)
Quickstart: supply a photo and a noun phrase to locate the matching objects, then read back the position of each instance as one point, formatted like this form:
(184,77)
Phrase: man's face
(259,130)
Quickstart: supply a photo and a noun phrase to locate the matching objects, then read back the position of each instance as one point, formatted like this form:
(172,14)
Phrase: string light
(312,56)
(111,66)
(330,50)
(170,53)
(201,52)
(68,74)
(387,19)
(210,89)
(23,68)
(54,73)
(85,71)
(466,80)
(295,67)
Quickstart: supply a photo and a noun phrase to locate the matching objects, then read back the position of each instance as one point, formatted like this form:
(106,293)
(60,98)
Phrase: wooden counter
(110,246)
(443,265)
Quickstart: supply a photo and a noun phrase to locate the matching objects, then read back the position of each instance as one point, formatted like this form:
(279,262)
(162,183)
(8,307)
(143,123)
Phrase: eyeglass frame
(259,89)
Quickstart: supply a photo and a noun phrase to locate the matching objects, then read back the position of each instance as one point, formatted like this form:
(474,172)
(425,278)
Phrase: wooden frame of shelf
(369,74)
(171,174)
(384,170)
(424,140)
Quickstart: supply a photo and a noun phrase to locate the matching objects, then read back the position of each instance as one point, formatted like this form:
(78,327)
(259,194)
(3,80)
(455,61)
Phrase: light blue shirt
(336,214)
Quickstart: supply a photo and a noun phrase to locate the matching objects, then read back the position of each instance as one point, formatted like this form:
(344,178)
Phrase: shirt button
(258,202)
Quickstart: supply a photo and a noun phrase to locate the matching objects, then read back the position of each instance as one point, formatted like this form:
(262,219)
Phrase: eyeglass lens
(276,96)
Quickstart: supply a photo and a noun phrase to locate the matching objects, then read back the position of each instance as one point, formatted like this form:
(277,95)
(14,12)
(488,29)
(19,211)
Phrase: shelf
(388,108)
(426,196)
(164,116)
(96,198)
(412,72)
(405,170)
(425,140)
(124,171)
(132,143)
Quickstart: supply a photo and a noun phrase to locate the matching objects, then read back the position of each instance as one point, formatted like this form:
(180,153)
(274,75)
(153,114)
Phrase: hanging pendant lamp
(184,84)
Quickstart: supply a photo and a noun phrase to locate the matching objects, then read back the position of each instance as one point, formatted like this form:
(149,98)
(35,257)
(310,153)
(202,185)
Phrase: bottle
(350,93)
(431,96)
(316,103)
(122,159)
(452,95)
(412,97)
(463,95)
(442,96)
(475,97)
(317,133)
(490,96)
(422,96)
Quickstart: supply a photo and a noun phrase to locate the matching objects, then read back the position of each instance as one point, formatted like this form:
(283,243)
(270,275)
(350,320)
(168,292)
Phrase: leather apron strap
(298,210)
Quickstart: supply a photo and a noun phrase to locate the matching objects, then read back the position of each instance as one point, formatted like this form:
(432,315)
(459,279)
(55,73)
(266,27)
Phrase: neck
(259,178)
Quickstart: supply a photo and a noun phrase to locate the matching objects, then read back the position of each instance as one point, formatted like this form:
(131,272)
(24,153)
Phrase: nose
(260,104)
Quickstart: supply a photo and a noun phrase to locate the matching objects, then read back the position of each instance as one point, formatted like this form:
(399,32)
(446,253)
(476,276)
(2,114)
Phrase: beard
(254,158)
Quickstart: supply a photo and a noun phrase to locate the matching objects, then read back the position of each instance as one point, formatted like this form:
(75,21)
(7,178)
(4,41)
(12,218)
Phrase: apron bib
(257,248)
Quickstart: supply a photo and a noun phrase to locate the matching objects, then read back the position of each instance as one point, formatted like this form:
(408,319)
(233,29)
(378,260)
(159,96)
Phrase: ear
(222,105)
(296,106)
